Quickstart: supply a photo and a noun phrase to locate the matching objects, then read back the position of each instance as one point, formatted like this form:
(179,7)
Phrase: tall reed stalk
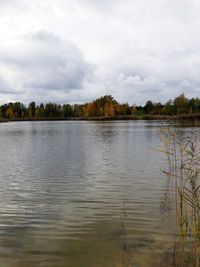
(124,234)
(183,157)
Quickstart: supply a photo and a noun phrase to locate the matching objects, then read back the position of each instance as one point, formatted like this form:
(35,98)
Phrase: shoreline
(183,117)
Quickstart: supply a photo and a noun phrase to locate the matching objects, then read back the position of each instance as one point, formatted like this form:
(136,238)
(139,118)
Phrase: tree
(169,108)
(180,104)
(31,108)
(106,109)
(133,109)
(41,110)
(124,109)
(149,107)
(9,112)
(67,110)
(192,105)
(90,110)
(158,108)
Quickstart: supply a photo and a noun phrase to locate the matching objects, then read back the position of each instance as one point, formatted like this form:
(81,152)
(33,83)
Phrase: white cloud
(140,49)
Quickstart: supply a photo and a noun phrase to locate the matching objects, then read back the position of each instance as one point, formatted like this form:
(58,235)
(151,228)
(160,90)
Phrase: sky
(74,51)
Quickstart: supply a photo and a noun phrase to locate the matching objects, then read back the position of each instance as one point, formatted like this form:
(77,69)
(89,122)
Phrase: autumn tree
(180,104)
(124,109)
(104,106)
(9,112)
(133,109)
(90,110)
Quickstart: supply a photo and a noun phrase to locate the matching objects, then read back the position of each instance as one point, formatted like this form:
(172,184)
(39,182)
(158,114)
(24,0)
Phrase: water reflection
(63,185)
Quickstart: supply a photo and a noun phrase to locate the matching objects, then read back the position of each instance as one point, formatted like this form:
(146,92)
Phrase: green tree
(67,110)
(149,107)
(31,108)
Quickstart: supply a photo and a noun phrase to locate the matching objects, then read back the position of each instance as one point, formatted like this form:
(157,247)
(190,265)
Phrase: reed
(183,157)
(124,235)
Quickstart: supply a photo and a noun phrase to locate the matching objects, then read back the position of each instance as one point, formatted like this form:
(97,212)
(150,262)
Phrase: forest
(105,106)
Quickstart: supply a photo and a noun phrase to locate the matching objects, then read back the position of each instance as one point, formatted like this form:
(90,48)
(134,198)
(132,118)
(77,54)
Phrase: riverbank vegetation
(183,156)
(101,108)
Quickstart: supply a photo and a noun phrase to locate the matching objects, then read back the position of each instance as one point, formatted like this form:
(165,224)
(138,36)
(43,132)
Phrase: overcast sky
(77,50)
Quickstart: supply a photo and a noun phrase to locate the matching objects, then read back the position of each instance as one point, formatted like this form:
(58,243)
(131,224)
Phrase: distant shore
(184,117)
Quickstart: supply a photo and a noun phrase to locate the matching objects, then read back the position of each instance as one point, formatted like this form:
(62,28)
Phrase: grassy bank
(183,117)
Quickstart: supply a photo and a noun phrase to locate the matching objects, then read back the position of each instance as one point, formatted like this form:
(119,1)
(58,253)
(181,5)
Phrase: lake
(84,194)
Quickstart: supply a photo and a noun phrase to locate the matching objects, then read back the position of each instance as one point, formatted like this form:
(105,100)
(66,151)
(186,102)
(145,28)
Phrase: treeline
(105,106)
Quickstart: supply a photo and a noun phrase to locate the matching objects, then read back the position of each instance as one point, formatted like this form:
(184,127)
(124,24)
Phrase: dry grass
(184,169)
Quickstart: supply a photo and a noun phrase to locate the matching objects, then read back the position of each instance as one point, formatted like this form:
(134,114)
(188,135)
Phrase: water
(83,194)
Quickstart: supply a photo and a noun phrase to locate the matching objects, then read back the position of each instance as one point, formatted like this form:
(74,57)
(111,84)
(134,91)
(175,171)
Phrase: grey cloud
(103,4)
(6,89)
(6,5)
(9,2)
(49,64)
(43,36)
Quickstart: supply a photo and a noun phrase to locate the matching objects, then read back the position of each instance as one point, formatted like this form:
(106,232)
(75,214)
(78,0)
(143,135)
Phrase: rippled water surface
(83,194)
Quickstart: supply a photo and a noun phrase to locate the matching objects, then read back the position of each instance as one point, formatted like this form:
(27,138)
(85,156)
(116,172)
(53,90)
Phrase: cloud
(43,36)
(5,3)
(45,63)
(5,88)
(79,50)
